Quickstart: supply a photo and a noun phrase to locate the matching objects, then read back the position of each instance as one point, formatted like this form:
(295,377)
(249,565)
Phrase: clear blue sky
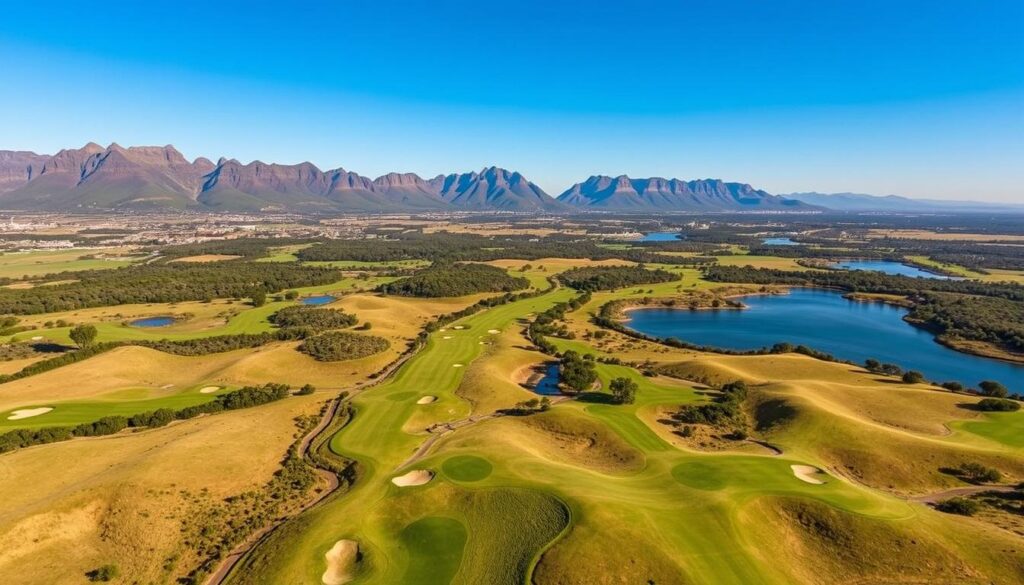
(922,98)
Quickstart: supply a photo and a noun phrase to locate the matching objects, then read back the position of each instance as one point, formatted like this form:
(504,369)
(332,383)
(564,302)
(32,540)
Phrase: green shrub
(341,345)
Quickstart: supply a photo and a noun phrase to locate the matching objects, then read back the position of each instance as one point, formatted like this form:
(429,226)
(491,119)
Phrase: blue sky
(918,98)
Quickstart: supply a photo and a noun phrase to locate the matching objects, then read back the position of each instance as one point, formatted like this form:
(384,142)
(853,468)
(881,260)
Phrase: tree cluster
(613,277)
(342,345)
(455,280)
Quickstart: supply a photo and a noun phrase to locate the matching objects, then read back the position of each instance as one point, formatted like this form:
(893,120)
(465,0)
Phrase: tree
(994,389)
(83,335)
(953,386)
(913,377)
(291,295)
(624,390)
(998,405)
(306,390)
(259,297)
(872,365)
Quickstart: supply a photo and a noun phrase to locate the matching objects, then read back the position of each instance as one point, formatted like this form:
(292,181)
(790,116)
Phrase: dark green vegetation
(246,397)
(161,283)
(455,280)
(313,318)
(955,309)
(576,372)
(248,248)
(997,405)
(612,277)
(725,412)
(341,345)
(446,247)
(961,506)
(623,390)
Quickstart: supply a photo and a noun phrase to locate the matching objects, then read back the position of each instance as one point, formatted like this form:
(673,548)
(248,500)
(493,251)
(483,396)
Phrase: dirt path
(937,497)
(238,553)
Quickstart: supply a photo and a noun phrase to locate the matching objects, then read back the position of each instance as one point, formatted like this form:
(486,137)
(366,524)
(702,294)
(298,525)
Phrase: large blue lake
(888,267)
(826,321)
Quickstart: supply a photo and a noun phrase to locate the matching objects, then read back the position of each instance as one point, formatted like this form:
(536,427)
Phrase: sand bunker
(456,365)
(416,477)
(28,412)
(37,338)
(447,337)
(494,331)
(426,400)
(808,473)
(459,327)
(341,562)
(209,389)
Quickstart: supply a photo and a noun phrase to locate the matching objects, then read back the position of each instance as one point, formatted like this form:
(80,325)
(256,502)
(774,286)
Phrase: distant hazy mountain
(864,202)
(657,194)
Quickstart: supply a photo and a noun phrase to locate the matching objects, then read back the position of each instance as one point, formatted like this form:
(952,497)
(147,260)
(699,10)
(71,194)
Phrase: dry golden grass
(122,498)
(931,235)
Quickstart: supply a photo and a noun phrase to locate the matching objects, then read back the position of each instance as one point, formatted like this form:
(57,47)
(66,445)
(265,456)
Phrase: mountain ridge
(94,177)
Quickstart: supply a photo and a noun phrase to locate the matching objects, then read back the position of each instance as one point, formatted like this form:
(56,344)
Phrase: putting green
(434,545)
(467,468)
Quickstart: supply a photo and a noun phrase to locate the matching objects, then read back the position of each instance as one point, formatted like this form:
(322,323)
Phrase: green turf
(467,468)
(434,546)
(1003,427)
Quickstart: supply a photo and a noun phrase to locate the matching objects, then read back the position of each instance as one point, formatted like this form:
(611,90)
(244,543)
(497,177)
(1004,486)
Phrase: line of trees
(162,283)
(455,280)
(612,277)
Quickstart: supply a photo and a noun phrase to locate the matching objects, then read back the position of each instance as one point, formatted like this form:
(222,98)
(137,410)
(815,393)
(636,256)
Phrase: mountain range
(159,177)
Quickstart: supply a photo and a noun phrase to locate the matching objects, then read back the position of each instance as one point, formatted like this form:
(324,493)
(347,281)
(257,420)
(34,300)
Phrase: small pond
(779,242)
(548,385)
(318,300)
(153,322)
(660,237)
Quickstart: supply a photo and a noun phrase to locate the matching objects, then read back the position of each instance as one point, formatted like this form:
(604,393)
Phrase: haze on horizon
(916,98)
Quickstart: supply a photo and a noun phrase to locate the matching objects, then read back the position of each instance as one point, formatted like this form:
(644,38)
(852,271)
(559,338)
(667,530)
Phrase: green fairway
(121,403)
(35,264)
(1003,427)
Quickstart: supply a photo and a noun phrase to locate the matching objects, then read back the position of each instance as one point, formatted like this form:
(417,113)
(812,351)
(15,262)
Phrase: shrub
(306,390)
(998,405)
(341,345)
(961,506)
(103,574)
(913,377)
(314,318)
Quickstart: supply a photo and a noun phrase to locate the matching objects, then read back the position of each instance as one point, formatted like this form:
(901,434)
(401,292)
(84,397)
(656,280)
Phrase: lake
(660,237)
(153,322)
(826,321)
(779,242)
(318,300)
(888,267)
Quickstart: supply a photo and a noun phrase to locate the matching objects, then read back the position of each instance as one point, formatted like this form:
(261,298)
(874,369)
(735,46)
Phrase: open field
(35,264)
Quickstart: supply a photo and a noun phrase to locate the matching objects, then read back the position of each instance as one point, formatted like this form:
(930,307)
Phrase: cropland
(365,408)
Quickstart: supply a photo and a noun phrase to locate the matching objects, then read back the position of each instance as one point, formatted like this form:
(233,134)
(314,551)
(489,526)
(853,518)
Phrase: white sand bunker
(426,400)
(29,412)
(415,477)
(459,327)
(37,338)
(808,473)
(494,331)
(447,337)
(341,562)
(456,365)
(208,389)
